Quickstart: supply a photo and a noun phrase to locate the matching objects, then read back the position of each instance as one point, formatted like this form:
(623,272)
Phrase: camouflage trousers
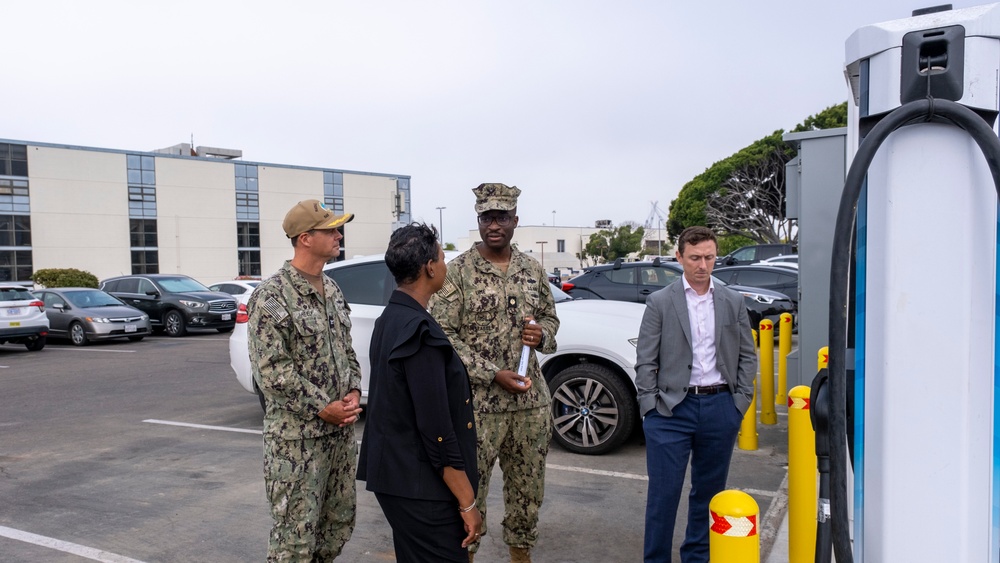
(520,439)
(310,484)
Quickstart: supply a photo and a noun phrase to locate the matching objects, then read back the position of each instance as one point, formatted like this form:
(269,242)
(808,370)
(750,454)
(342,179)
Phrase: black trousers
(424,531)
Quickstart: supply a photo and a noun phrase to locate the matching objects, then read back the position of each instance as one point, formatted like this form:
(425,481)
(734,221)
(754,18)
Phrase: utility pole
(441,224)
(543,243)
(553,217)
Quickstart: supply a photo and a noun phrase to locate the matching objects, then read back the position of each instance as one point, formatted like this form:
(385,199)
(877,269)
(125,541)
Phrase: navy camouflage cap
(495,197)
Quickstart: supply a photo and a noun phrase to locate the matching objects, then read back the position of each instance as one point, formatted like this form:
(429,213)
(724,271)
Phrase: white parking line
(598,472)
(67,547)
(204,426)
(78,349)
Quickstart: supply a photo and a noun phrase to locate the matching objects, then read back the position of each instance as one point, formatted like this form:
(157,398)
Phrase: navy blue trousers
(703,429)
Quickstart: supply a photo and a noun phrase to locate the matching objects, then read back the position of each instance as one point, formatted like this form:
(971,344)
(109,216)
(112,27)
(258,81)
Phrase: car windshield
(180,285)
(95,298)
(559,295)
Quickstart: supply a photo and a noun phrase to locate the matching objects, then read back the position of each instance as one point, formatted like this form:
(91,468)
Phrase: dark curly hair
(411,247)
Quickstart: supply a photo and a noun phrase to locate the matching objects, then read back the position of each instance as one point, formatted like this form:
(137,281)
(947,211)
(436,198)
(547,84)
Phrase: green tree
(64,277)
(743,195)
(610,244)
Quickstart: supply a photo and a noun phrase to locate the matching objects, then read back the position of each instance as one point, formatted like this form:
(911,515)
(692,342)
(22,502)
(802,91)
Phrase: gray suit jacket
(664,356)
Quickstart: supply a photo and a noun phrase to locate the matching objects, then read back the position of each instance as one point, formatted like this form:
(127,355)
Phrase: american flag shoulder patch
(275,309)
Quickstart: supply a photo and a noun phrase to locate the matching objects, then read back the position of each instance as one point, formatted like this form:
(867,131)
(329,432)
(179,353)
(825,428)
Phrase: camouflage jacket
(300,352)
(482,311)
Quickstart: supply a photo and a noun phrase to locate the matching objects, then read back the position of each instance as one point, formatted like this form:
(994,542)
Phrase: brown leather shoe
(519,555)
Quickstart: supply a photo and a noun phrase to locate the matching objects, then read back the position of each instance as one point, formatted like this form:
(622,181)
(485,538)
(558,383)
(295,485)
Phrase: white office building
(198,211)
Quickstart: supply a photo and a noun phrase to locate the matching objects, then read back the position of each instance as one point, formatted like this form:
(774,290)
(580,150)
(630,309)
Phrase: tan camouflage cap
(498,197)
(312,214)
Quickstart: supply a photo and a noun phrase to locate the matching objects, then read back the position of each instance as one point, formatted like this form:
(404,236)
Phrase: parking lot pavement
(80,467)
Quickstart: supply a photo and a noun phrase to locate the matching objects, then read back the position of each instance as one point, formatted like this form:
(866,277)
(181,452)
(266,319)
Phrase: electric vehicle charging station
(916,308)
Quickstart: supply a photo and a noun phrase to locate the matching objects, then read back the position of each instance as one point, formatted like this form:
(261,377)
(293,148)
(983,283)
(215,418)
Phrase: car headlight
(193,304)
(758,297)
(99,319)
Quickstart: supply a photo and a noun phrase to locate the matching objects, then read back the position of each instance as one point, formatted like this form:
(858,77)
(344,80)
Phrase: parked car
(634,281)
(786,260)
(22,318)
(591,375)
(776,278)
(755,253)
(174,302)
(239,289)
(84,314)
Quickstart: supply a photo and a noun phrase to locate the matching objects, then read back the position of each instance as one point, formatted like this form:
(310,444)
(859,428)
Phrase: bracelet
(467,508)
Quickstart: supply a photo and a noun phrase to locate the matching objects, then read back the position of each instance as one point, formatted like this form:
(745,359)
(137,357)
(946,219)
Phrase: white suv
(591,376)
(22,318)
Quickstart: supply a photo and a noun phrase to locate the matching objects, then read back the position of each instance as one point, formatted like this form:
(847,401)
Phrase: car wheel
(77,335)
(36,344)
(225,330)
(135,338)
(593,412)
(173,323)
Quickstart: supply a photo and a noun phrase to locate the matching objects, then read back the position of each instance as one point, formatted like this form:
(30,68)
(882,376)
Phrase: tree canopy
(744,194)
(608,244)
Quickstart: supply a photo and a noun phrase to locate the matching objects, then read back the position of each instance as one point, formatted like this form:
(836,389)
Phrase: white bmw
(591,375)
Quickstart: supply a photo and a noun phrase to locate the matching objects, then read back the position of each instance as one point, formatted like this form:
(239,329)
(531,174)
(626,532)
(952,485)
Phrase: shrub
(64,277)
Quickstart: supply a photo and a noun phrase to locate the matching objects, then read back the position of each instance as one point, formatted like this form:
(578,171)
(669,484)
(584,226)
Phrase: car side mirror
(153,293)
(58,306)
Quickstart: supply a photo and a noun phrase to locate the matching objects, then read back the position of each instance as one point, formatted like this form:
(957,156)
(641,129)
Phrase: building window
(15,230)
(248,248)
(249,263)
(333,191)
(145,262)
(15,265)
(141,170)
(560,245)
(13,160)
(14,196)
(247,203)
(142,233)
(403,192)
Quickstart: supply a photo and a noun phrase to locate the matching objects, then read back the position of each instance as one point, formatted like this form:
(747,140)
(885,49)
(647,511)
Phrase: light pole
(441,224)
(553,217)
(543,243)
(659,238)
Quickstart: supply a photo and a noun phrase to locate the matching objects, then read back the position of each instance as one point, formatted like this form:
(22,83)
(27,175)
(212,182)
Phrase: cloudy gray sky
(594,109)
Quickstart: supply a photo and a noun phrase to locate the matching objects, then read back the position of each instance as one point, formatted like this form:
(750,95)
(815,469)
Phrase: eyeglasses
(502,220)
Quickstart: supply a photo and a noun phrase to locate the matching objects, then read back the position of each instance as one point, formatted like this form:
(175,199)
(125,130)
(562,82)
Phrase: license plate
(226,316)
(14,312)
(15,323)
(130,328)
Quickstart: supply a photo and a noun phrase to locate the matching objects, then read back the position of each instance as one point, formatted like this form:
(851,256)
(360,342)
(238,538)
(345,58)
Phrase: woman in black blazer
(418,454)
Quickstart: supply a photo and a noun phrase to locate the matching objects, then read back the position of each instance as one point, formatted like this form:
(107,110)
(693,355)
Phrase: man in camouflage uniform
(491,293)
(305,367)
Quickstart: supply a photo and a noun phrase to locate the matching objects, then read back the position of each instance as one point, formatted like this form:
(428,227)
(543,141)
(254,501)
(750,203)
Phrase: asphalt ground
(151,451)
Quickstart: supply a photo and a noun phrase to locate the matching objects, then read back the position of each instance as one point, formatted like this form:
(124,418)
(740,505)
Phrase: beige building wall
(79,210)
(372,199)
(196,218)
(279,190)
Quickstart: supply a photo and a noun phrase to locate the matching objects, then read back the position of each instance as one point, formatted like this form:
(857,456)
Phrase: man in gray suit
(695,369)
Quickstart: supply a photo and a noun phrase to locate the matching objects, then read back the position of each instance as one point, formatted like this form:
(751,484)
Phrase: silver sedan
(84,314)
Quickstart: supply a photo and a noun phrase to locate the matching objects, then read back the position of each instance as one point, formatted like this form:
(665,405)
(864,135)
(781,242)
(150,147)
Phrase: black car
(174,302)
(775,278)
(634,281)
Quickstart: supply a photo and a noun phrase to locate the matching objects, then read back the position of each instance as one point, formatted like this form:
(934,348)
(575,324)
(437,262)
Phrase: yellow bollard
(748,428)
(784,348)
(733,536)
(823,358)
(801,478)
(767,413)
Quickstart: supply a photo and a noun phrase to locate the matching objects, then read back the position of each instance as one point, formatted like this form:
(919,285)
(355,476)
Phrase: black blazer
(419,413)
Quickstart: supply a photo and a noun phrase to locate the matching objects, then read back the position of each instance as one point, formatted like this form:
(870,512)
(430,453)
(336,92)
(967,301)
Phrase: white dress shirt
(701,317)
